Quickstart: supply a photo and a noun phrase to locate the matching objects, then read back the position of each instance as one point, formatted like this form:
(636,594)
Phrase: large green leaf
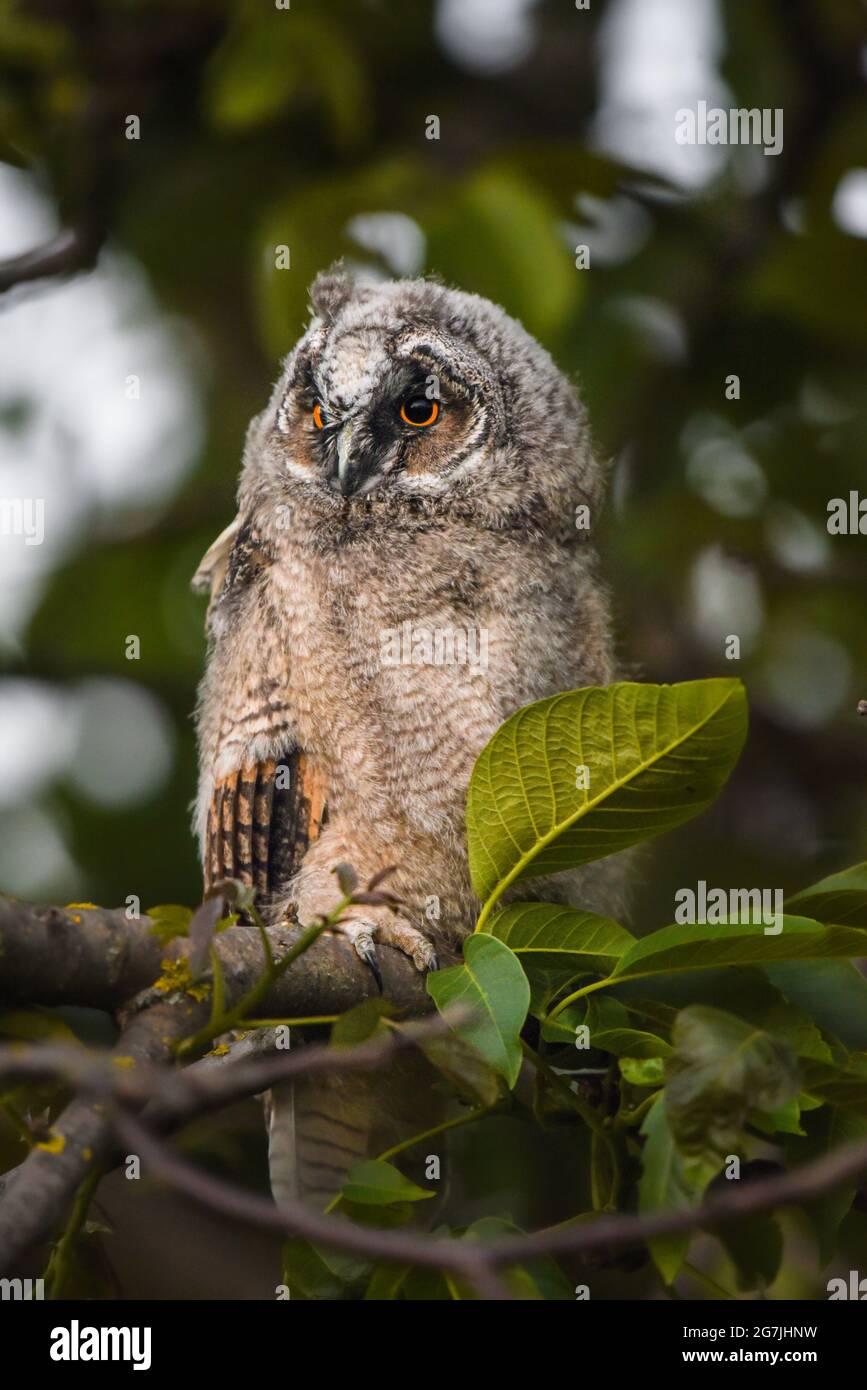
(555,944)
(656,756)
(721,1069)
(743,990)
(701,946)
(840,898)
(546,934)
(832,992)
(491,986)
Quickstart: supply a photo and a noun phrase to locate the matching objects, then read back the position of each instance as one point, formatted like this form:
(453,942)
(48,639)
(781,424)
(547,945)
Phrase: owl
(403,573)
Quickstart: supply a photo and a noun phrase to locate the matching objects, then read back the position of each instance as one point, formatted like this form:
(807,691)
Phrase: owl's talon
(365,948)
(410,941)
(397,933)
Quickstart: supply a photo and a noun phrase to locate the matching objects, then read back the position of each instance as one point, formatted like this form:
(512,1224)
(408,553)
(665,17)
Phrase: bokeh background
(125,389)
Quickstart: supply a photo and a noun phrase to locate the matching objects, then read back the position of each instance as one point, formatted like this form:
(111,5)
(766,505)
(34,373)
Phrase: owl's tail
(317,1131)
(319,1128)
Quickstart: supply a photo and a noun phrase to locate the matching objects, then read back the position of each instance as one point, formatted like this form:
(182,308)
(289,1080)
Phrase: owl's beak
(354,465)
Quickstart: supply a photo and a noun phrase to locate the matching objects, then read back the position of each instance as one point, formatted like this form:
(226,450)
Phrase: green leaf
(556,944)
(630,1042)
(604,1171)
(541,1279)
(663,1187)
(596,1013)
(657,756)
(268,59)
(565,1026)
(85,1272)
(786,1119)
(700,945)
(840,898)
(312,1272)
(546,934)
(464,1068)
(500,234)
(494,988)
(844,1086)
(826,1130)
(720,1069)
(645,1071)
(833,992)
(743,990)
(376,1183)
(361,1022)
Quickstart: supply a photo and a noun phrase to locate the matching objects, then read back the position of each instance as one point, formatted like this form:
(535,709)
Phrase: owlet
(403,573)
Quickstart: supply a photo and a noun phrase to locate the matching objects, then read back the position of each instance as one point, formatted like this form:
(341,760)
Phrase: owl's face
(367,411)
(412,395)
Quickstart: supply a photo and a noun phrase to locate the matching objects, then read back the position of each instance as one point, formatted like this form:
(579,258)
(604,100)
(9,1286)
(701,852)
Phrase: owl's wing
(261,821)
(262,818)
(214,563)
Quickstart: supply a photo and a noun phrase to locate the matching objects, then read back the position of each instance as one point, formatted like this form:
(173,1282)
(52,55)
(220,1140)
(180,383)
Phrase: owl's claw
(396,933)
(410,941)
(365,948)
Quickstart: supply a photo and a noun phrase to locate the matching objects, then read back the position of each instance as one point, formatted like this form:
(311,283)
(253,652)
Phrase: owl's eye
(419,411)
(318,417)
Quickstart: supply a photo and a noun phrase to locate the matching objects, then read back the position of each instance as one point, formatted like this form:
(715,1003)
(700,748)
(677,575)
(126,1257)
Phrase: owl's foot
(408,939)
(364,934)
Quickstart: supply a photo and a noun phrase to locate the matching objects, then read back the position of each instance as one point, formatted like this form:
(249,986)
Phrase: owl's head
(405,398)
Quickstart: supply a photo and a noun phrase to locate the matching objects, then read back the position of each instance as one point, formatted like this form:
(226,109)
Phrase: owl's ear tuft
(331,291)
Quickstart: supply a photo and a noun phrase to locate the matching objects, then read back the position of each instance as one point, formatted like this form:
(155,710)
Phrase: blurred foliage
(263,127)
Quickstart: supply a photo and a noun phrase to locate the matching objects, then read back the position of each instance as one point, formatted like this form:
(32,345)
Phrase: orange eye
(419,411)
(317,416)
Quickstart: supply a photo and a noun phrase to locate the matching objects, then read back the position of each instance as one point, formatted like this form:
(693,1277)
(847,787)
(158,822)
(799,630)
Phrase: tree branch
(70,251)
(474,1261)
(179,1096)
(98,958)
